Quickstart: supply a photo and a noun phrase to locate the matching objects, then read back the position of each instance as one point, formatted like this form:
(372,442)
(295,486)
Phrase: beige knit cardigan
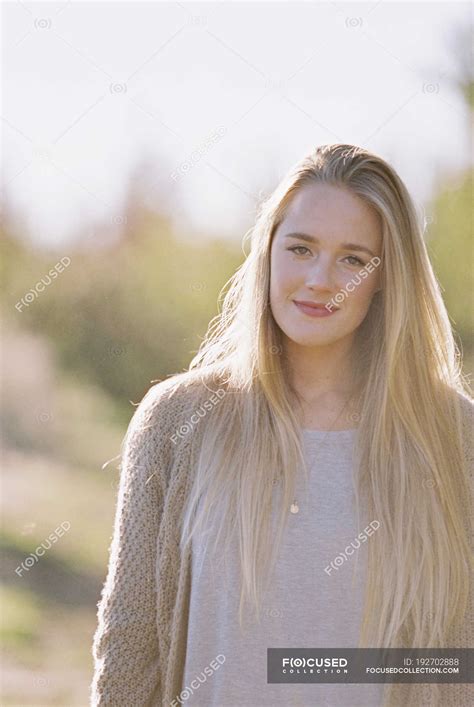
(139,645)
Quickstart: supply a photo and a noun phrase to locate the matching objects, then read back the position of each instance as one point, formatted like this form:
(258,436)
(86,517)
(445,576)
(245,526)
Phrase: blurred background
(138,140)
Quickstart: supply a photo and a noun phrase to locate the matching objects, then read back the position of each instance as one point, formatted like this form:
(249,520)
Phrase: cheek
(282,276)
(362,292)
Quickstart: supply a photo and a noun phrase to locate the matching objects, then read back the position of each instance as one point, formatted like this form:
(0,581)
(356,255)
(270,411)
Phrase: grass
(49,612)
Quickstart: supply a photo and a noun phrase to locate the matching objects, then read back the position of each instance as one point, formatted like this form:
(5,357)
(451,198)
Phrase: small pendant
(294,507)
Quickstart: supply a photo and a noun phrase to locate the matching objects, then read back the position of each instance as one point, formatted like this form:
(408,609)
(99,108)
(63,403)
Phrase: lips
(315,309)
(316,305)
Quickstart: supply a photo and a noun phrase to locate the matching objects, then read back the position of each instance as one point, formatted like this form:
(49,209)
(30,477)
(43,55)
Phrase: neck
(321,371)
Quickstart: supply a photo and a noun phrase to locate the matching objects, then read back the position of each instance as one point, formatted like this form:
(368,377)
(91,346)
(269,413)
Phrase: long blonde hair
(409,440)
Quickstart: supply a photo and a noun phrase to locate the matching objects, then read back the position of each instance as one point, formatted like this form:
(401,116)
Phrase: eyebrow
(313,239)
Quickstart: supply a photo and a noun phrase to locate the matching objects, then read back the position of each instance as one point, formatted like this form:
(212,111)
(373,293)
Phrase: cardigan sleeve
(125,646)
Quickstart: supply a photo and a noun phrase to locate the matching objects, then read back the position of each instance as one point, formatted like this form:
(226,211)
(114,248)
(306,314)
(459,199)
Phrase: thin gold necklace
(294,508)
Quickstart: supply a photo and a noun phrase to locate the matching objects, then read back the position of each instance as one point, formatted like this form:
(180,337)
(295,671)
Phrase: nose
(319,274)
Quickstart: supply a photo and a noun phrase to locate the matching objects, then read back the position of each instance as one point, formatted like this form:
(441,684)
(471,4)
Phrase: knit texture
(139,646)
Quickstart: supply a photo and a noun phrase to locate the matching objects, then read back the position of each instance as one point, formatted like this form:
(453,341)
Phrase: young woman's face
(334,235)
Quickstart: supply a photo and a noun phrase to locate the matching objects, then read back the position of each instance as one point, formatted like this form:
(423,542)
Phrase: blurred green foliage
(127,314)
(20,618)
(450,244)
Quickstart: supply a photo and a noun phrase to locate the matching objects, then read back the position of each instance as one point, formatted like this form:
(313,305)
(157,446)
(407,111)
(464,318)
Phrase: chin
(320,333)
(321,338)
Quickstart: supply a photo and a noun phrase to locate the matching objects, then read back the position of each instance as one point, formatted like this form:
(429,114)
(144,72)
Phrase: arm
(125,648)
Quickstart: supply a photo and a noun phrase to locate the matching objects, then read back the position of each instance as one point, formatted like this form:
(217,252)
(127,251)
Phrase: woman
(321,440)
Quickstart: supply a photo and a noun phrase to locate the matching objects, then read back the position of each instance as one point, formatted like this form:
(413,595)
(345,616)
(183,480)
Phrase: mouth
(316,309)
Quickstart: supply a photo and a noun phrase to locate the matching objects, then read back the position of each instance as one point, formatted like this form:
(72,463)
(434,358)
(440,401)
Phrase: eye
(358,261)
(296,248)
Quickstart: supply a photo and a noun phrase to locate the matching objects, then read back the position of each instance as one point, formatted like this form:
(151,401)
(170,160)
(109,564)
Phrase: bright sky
(218,99)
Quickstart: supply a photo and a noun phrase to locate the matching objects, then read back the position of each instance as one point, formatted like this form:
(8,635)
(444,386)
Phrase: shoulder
(466,404)
(166,406)
(164,401)
(466,408)
(461,406)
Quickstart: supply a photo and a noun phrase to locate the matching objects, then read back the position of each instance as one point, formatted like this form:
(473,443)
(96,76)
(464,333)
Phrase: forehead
(331,213)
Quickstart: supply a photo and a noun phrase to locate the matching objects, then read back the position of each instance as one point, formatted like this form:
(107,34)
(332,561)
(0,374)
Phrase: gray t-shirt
(309,603)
